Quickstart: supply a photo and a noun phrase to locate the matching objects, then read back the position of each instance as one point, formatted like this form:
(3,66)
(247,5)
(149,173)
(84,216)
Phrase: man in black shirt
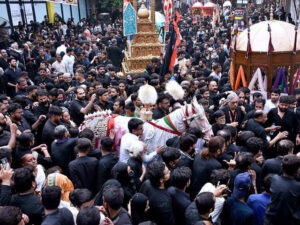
(15,112)
(102,100)
(53,215)
(62,149)
(161,211)
(233,114)
(83,169)
(55,115)
(181,178)
(42,79)
(12,74)
(113,198)
(43,103)
(256,126)
(285,118)
(162,109)
(284,147)
(79,107)
(106,163)
(284,206)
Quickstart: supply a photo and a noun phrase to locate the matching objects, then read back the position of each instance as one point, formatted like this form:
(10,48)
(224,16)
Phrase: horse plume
(147,94)
(175,90)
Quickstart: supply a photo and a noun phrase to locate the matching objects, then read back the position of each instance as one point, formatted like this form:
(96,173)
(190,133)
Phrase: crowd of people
(52,75)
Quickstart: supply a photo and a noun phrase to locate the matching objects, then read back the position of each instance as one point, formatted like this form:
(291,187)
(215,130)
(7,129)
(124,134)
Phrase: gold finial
(271,13)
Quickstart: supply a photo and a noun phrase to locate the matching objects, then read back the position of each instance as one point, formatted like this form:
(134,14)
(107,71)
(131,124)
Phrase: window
(67,13)
(82,6)
(75,13)
(40,11)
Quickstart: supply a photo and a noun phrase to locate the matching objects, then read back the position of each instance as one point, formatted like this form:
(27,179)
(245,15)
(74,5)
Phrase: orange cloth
(62,181)
(240,75)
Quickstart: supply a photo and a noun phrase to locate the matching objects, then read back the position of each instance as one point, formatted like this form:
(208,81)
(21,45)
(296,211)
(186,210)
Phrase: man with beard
(214,95)
(162,109)
(32,97)
(79,107)
(48,135)
(119,106)
(42,107)
(42,79)
(15,112)
(22,87)
(256,125)
(273,102)
(101,76)
(285,118)
(4,59)
(12,74)
(102,100)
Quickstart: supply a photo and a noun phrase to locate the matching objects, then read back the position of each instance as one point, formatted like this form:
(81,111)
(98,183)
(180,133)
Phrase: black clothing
(40,110)
(237,116)
(158,113)
(4,138)
(288,122)
(259,131)
(12,76)
(62,216)
(30,205)
(24,125)
(38,80)
(107,106)
(83,171)
(136,165)
(160,200)
(284,206)
(105,165)
(201,172)
(48,135)
(115,54)
(192,214)
(237,213)
(272,166)
(3,63)
(215,128)
(180,201)
(75,107)
(122,218)
(62,153)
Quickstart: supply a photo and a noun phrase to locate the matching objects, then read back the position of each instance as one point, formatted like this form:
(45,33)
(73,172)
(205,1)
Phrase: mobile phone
(5,163)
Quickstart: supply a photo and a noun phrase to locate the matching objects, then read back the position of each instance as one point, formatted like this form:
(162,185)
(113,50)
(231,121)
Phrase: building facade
(27,10)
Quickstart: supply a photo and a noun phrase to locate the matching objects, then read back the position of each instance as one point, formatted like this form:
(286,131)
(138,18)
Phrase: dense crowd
(52,75)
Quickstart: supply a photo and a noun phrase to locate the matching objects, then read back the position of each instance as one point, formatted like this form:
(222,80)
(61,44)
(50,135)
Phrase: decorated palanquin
(145,44)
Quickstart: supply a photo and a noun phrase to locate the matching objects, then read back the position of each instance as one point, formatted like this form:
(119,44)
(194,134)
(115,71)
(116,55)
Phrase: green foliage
(110,5)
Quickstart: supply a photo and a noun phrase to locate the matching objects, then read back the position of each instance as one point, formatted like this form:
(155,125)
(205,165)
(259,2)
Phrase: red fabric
(177,43)
(111,124)
(164,129)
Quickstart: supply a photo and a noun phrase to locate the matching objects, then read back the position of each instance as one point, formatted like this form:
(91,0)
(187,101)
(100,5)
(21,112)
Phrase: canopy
(209,4)
(197,5)
(283,37)
(227,4)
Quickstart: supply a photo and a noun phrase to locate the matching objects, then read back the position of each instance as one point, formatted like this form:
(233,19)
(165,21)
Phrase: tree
(110,5)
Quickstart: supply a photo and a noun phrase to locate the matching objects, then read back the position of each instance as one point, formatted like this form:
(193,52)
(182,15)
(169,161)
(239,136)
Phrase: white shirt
(40,178)
(60,67)
(269,105)
(61,48)
(209,187)
(126,142)
(69,61)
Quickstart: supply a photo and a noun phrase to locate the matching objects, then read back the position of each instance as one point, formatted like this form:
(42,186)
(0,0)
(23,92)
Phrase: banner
(129,20)
(68,2)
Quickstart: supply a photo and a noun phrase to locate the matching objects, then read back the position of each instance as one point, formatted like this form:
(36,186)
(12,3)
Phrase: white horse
(155,132)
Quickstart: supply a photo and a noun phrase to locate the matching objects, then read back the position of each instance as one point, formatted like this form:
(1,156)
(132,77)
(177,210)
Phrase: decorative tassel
(271,47)
(249,49)
(295,41)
